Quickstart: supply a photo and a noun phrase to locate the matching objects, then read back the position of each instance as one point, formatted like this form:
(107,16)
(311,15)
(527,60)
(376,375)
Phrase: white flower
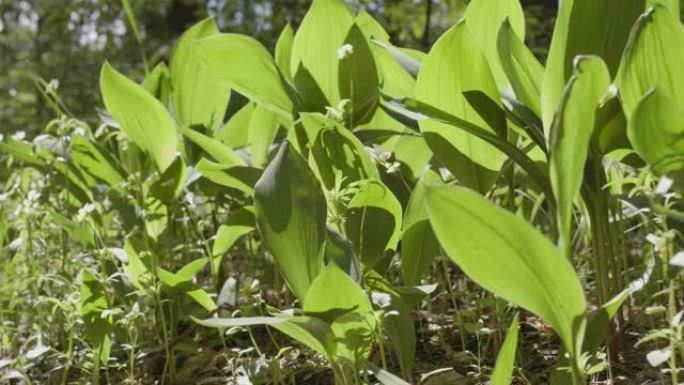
(658,357)
(3,197)
(678,259)
(16,244)
(84,211)
(2,137)
(33,196)
(381,299)
(664,185)
(52,86)
(345,51)
(657,242)
(19,135)
(392,168)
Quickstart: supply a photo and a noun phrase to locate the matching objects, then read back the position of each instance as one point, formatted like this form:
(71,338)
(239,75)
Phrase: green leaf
(570,137)
(219,151)
(358,77)
(333,292)
(290,211)
(141,116)
(585,27)
(521,67)
(93,303)
(653,59)
(248,67)
(170,183)
(340,251)
(336,150)
(309,331)
(419,244)
(158,83)
(414,110)
(235,132)
(283,50)
(656,131)
(96,161)
(130,17)
(226,237)
(373,222)
(385,377)
(510,258)
(263,127)
(503,371)
(241,178)
(483,18)
(181,281)
(371,27)
(322,32)
(198,98)
(441,83)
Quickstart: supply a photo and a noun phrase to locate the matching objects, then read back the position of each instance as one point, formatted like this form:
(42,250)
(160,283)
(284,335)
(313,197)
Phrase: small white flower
(664,185)
(392,168)
(33,196)
(254,285)
(84,211)
(80,131)
(19,135)
(52,86)
(16,244)
(345,51)
(2,137)
(3,197)
(658,357)
(678,259)
(657,242)
(381,299)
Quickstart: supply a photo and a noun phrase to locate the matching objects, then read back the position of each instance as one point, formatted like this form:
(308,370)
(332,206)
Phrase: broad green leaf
(358,78)
(171,182)
(156,217)
(241,178)
(340,251)
(198,98)
(262,130)
(656,131)
(181,281)
(570,136)
(441,83)
(290,211)
(96,161)
(336,298)
(385,377)
(483,18)
(413,110)
(80,232)
(653,58)
(371,27)
(310,331)
(234,133)
(226,237)
(373,222)
(585,27)
(521,67)
(283,50)
(248,67)
(503,371)
(336,150)
(400,329)
(311,97)
(141,116)
(419,244)
(408,62)
(158,83)
(217,150)
(510,258)
(93,304)
(317,41)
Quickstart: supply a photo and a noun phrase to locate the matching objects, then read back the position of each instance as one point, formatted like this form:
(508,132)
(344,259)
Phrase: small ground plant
(368,214)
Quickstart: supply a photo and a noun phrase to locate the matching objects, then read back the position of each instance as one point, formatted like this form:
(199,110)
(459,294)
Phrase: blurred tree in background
(67,40)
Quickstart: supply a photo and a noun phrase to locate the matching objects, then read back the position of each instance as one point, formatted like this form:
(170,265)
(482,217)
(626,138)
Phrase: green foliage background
(67,40)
